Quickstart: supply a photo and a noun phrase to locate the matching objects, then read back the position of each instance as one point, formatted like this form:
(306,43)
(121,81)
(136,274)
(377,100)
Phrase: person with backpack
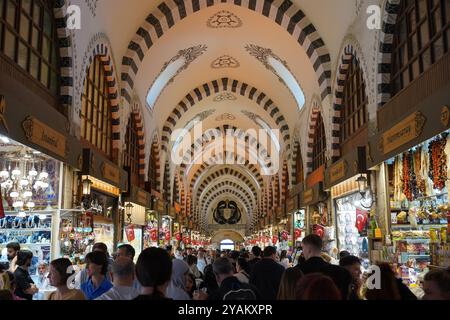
(230,288)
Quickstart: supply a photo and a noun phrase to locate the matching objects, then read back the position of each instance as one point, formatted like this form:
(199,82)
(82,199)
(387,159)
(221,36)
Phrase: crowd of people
(165,274)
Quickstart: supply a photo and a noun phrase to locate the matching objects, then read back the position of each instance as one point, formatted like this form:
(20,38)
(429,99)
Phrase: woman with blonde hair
(288,284)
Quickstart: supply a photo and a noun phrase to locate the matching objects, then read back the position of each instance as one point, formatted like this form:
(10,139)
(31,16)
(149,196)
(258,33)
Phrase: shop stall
(137,203)
(412,158)
(352,203)
(151,229)
(319,218)
(101,185)
(34,157)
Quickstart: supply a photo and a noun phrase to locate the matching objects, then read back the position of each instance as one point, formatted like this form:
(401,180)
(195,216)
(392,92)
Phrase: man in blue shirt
(97,268)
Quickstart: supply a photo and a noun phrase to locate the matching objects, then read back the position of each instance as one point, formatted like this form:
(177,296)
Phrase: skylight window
(289,80)
(163,79)
(171,69)
(280,68)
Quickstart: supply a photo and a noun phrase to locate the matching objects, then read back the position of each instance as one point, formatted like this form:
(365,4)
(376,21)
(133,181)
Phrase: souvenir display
(352,226)
(419,206)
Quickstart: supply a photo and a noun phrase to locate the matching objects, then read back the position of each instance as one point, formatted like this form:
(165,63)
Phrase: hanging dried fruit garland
(438,162)
(409,177)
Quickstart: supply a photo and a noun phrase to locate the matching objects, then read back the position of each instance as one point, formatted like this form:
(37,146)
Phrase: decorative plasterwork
(224,19)
(188,55)
(205,114)
(225,96)
(225,61)
(92,5)
(226,117)
(263,55)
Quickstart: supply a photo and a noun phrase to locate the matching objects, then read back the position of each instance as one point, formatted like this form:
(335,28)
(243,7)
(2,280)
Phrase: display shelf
(431,266)
(410,226)
(26,229)
(29,244)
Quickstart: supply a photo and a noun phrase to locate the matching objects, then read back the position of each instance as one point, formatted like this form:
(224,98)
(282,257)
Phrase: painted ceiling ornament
(263,55)
(226,117)
(225,61)
(224,19)
(205,114)
(92,4)
(250,115)
(225,96)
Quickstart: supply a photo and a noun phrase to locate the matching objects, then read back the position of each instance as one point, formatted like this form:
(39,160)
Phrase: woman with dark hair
(153,270)
(391,288)
(191,285)
(437,285)
(61,270)
(316,286)
(289,283)
(243,270)
(284,260)
(97,268)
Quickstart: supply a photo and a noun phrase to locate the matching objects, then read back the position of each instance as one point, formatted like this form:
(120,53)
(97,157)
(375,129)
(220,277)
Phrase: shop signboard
(315,177)
(110,172)
(172,212)
(308,196)
(160,207)
(42,135)
(2,113)
(296,189)
(177,207)
(279,212)
(291,204)
(338,171)
(143,198)
(402,133)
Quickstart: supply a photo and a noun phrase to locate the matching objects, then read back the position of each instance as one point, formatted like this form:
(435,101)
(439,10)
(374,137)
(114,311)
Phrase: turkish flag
(2,210)
(361,220)
(298,233)
(167,235)
(319,230)
(274,239)
(129,230)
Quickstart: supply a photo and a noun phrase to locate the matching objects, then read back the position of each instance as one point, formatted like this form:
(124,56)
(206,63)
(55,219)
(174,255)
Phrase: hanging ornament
(167,236)
(284,235)
(178,236)
(319,230)
(438,162)
(274,239)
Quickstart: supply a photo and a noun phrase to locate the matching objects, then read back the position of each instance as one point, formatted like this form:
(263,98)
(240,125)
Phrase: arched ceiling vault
(198,52)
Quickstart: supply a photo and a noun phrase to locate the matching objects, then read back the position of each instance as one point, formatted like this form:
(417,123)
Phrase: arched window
(28,37)
(131,152)
(354,104)
(421,38)
(96,108)
(319,144)
(300,174)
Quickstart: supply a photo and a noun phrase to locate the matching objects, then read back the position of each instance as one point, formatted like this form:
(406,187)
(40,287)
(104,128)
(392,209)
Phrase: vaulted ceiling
(226,81)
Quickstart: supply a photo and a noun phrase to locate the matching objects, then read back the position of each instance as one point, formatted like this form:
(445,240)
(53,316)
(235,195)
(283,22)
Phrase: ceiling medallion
(226,96)
(225,62)
(224,19)
(226,117)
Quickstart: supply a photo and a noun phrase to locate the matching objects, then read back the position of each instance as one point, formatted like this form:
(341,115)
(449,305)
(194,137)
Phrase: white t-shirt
(120,293)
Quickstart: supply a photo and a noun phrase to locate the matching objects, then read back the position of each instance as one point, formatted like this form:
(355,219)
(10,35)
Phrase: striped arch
(154,153)
(250,169)
(282,12)
(136,114)
(220,173)
(296,151)
(315,112)
(65,53)
(348,54)
(211,135)
(391,11)
(284,179)
(103,50)
(276,191)
(214,87)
